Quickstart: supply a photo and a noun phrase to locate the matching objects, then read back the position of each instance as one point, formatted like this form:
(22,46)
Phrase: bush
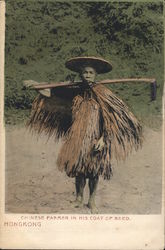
(42,35)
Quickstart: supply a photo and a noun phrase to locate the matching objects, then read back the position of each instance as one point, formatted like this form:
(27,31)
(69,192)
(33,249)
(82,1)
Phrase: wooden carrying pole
(152,81)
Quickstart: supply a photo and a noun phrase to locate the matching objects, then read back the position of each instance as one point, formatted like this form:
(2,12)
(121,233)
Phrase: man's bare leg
(93,183)
(80,182)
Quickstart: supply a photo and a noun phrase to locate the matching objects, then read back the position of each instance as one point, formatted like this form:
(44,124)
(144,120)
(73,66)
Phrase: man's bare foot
(78,202)
(93,208)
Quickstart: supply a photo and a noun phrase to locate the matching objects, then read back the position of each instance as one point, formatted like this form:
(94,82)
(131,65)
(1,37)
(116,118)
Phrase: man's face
(88,74)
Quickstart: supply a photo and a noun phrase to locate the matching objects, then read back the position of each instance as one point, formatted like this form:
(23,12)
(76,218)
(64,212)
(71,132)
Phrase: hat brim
(100,65)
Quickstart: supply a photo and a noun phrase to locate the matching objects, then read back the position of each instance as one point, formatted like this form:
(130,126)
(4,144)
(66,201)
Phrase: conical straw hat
(77,63)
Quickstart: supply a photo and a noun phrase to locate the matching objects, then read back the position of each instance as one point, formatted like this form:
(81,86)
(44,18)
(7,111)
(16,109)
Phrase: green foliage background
(42,35)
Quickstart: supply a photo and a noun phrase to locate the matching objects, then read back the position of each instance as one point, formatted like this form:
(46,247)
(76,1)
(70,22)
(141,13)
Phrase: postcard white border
(82,231)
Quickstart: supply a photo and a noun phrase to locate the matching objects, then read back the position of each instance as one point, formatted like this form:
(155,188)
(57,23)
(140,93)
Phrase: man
(87,76)
(94,124)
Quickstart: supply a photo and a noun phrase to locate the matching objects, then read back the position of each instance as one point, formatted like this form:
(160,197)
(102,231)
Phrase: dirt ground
(34,184)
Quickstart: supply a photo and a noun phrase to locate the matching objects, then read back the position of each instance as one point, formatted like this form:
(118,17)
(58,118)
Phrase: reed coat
(81,115)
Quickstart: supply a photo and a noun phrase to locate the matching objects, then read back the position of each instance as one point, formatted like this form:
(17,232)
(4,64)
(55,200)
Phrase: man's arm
(30,84)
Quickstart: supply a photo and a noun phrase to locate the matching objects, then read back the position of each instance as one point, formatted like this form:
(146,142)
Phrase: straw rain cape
(81,115)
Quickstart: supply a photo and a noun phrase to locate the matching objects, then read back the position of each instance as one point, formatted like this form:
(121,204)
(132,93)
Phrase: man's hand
(29,84)
(99,145)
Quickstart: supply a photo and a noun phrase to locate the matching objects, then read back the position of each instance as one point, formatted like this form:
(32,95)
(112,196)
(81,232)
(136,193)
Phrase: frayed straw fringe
(51,116)
(121,127)
(82,124)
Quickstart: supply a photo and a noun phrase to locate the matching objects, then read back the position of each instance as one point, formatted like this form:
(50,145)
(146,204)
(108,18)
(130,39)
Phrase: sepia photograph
(83,110)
